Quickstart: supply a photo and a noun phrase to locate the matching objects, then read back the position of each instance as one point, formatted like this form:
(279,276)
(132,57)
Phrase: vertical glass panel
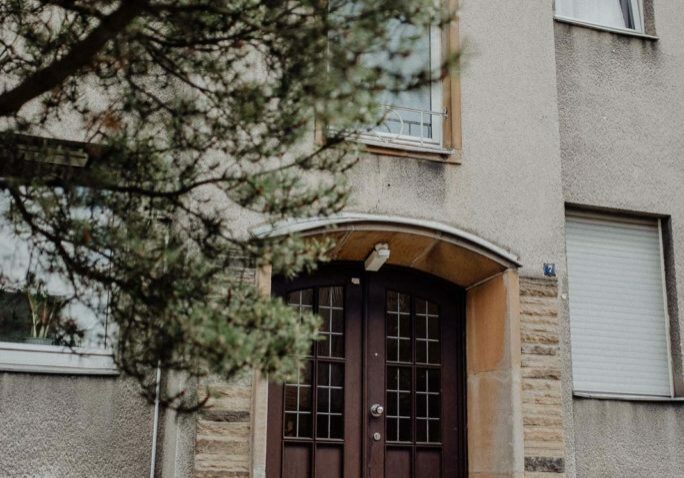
(323,344)
(297,404)
(336,375)
(330,397)
(428,349)
(302,301)
(405,429)
(428,405)
(435,432)
(291,393)
(290,425)
(392,404)
(421,430)
(405,350)
(336,400)
(392,350)
(322,425)
(305,425)
(305,398)
(433,327)
(337,321)
(337,346)
(299,412)
(330,308)
(421,351)
(421,405)
(434,355)
(413,338)
(337,426)
(392,429)
(323,399)
(405,108)
(399,329)
(398,400)
(434,380)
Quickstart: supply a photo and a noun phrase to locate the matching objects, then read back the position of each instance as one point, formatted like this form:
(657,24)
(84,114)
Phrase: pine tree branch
(80,55)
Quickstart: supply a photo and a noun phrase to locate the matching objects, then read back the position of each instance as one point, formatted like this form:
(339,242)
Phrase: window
(618,313)
(620,14)
(417,116)
(41,326)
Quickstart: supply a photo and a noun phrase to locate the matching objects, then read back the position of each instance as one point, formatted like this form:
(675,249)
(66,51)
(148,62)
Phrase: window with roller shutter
(618,312)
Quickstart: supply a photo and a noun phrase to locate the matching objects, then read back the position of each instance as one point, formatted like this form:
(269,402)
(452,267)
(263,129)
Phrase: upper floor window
(620,14)
(414,116)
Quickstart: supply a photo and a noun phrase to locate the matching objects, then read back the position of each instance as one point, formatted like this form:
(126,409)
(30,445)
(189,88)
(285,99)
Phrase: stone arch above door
(489,275)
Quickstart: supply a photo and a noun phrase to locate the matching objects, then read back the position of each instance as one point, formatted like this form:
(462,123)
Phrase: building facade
(526,322)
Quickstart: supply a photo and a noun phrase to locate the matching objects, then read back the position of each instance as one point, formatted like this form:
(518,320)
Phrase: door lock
(376,410)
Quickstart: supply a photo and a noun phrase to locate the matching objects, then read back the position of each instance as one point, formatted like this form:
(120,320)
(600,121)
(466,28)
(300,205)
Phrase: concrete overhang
(447,252)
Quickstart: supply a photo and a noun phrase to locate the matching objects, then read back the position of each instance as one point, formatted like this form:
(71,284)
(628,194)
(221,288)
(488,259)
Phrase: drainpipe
(155,429)
(153,459)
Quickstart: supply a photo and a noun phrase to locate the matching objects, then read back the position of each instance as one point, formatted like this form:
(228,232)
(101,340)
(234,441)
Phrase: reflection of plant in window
(44,310)
(33,315)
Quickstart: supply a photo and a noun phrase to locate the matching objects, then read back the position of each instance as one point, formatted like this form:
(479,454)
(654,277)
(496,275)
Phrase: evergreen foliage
(198,118)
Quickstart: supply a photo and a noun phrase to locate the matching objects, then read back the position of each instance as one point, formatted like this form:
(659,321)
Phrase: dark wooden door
(393,339)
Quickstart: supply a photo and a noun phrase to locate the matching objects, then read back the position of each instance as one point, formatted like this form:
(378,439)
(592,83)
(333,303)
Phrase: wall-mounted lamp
(377,257)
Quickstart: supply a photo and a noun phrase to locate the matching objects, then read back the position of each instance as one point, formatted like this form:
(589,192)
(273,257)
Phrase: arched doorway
(479,274)
(383,392)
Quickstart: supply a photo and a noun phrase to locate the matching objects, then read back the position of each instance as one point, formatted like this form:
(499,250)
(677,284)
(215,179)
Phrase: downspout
(153,459)
(157,391)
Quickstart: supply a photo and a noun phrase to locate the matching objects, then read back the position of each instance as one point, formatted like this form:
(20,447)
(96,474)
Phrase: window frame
(446,95)
(639,29)
(438,116)
(47,358)
(642,220)
(54,359)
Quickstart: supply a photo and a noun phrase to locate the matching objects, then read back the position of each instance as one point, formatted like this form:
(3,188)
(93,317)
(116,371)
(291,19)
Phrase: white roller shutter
(618,316)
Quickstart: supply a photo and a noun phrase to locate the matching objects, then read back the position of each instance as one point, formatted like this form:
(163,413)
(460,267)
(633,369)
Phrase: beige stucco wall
(621,122)
(550,113)
(61,426)
(507,188)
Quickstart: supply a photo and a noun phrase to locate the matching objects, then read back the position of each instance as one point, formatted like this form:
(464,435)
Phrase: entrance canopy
(447,252)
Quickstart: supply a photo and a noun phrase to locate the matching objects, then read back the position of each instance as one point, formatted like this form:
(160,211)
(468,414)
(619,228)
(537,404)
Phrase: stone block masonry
(223,432)
(541,386)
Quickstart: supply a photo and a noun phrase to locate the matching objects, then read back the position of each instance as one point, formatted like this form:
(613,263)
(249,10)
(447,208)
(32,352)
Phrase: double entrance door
(382,393)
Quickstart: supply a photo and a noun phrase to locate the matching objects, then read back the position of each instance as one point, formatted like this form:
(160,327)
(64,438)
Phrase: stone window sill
(594,26)
(50,359)
(400,149)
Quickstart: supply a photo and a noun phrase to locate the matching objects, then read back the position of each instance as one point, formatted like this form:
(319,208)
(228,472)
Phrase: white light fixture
(377,257)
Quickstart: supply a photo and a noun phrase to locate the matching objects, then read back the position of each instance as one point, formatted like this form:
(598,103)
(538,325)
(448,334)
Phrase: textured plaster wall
(621,122)
(507,188)
(640,440)
(58,426)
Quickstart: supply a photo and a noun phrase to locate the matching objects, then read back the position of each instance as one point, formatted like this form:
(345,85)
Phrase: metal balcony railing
(409,124)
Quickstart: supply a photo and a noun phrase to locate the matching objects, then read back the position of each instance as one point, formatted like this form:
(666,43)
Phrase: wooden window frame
(451,147)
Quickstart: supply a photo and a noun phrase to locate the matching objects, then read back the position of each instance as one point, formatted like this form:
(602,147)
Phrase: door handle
(376,410)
